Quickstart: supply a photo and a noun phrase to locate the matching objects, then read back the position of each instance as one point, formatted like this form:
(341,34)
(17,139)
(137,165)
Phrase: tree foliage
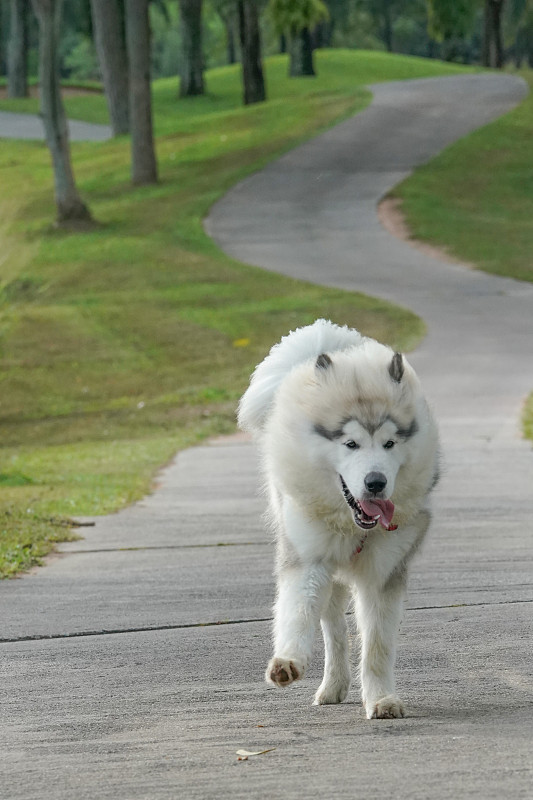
(297,18)
(449,18)
(292,16)
(385,14)
(518,30)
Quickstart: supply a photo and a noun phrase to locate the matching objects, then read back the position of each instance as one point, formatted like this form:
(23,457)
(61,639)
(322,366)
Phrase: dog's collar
(360,546)
(362,541)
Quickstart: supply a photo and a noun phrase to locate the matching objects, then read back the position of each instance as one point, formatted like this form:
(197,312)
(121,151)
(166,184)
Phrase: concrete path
(30,126)
(132,664)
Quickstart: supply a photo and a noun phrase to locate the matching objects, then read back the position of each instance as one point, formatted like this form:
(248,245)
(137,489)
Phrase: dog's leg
(336,681)
(303,591)
(379,613)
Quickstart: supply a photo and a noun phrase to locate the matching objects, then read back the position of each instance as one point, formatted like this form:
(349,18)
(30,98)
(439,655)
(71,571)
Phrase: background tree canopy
(453,30)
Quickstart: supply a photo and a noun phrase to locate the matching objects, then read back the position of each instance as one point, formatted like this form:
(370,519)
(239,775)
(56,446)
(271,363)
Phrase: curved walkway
(133,666)
(30,126)
(312,215)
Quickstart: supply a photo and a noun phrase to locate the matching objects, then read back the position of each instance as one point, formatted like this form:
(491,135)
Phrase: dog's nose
(375,482)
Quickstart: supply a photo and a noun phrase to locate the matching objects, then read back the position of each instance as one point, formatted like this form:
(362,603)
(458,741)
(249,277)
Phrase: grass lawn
(122,345)
(528,417)
(476,198)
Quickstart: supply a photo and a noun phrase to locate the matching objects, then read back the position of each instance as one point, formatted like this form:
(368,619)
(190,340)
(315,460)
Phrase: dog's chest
(348,549)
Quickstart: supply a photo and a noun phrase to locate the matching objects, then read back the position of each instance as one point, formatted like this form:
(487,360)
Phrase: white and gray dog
(350,454)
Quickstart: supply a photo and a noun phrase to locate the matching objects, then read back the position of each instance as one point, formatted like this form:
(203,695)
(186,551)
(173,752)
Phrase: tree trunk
(485,45)
(70,206)
(528,45)
(17,50)
(192,60)
(108,26)
(231,48)
(143,161)
(227,15)
(387,26)
(492,55)
(301,54)
(230,42)
(250,38)
(519,46)
(497,10)
(321,35)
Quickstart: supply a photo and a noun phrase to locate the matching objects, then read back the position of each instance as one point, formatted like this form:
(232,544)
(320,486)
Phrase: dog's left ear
(396,367)
(323,361)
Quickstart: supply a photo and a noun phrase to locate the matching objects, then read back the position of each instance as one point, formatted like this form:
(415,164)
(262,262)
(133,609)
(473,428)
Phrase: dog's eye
(351,445)
(389,444)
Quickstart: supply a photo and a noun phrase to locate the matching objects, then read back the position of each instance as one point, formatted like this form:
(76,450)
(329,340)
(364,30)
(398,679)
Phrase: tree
(493,55)
(301,61)
(449,19)
(192,60)
(340,13)
(108,26)
(17,54)
(520,20)
(296,18)
(70,206)
(143,160)
(383,12)
(250,39)
(227,12)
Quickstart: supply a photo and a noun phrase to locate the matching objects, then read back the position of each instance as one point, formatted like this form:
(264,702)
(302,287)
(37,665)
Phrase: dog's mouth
(367,513)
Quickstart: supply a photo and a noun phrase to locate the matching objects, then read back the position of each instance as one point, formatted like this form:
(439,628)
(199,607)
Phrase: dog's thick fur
(350,452)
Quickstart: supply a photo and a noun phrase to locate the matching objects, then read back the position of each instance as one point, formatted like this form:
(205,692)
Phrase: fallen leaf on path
(246,753)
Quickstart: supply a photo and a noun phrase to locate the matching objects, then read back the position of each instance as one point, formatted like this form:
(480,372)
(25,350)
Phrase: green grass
(476,198)
(528,418)
(121,345)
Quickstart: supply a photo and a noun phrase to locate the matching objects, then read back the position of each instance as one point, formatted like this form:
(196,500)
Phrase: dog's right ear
(323,362)
(396,368)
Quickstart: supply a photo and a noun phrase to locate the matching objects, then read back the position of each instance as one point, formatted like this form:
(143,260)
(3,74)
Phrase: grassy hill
(476,198)
(122,345)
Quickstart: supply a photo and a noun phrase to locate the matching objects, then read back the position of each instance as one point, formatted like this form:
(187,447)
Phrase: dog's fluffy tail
(298,347)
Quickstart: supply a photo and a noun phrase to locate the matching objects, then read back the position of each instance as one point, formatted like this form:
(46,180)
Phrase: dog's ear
(323,361)
(396,367)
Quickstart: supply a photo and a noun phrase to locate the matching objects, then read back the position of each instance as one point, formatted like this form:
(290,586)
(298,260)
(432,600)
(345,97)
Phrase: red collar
(360,546)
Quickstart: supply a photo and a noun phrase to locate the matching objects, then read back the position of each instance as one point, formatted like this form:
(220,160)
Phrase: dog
(350,453)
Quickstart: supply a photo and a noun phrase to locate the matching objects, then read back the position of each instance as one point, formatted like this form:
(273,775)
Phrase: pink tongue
(382,508)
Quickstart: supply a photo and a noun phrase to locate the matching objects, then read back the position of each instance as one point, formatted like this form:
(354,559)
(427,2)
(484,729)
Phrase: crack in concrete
(154,628)
(161,547)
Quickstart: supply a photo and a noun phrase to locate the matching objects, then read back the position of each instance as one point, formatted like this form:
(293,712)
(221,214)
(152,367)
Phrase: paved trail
(137,695)
(30,126)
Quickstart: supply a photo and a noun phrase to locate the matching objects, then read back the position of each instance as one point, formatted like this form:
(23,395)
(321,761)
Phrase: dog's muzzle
(368,512)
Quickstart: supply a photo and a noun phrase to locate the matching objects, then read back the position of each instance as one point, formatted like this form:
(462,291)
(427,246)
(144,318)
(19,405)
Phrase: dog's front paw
(332,692)
(389,707)
(283,671)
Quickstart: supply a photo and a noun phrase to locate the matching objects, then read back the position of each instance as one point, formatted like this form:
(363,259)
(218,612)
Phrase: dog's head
(363,405)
